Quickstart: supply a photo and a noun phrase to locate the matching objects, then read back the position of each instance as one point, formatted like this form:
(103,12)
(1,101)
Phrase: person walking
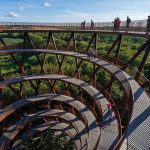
(92,25)
(91,54)
(128,21)
(84,24)
(115,24)
(148,25)
(118,22)
(81,25)
(109,107)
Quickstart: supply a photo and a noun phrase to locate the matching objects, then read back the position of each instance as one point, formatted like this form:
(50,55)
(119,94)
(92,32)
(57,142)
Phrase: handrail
(97,24)
(77,97)
(120,63)
(112,60)
(128,66)
(109,98)
(126,87)
(136,26)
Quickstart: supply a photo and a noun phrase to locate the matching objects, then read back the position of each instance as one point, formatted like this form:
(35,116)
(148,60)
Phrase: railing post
(94,66)
(112,47)
(140,50)
(1,100)
(118,49)
(140,67)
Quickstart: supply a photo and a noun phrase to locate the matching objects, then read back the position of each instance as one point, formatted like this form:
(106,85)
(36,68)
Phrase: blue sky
(72,10)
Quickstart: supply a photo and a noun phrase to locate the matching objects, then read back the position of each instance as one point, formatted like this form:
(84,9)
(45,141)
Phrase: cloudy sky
(72,10)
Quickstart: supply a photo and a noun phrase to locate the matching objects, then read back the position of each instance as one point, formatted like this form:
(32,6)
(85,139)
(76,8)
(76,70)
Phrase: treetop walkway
(57,126)
(86,119)
(137,28)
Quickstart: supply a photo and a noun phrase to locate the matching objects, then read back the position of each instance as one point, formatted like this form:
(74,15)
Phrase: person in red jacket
(109,107)
(118,22)
(115,24)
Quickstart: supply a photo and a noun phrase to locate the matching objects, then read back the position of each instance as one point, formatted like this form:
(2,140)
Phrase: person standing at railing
(128,21)
(115,24)
(92,25)
(148,25)
(118,23)
(83,25)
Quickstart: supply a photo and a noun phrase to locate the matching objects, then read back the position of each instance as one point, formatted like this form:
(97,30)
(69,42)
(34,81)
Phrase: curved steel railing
(121,63)
(135,26)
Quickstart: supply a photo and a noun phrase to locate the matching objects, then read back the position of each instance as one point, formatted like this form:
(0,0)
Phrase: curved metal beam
(94,130)
(54,125)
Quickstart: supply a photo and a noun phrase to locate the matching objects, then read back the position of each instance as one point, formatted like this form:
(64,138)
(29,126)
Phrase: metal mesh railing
(135,26)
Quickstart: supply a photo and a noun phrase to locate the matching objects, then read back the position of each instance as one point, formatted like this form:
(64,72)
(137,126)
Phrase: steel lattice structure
(82,115)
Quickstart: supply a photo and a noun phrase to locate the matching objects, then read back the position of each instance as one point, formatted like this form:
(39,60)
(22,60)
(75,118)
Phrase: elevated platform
(55,30)
(106,136)
(137,28)
(100,100)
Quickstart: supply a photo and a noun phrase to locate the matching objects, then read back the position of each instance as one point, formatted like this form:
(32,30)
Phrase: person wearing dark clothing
(128,21)
(92,25)
(83,24)
(115,24)
(148,25)
(91,54)
(118,22)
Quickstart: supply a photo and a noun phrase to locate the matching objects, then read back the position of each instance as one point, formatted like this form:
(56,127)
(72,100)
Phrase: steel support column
(118,49)
(140,50)
(1,99)
(141,65)
(94,66)
(94,38)
(112,47)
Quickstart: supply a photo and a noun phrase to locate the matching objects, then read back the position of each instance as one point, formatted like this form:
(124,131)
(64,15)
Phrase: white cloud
(46,4)
(21,8)
(131,7)
(11,15)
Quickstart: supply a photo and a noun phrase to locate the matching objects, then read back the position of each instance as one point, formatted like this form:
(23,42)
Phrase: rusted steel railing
(135,26)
